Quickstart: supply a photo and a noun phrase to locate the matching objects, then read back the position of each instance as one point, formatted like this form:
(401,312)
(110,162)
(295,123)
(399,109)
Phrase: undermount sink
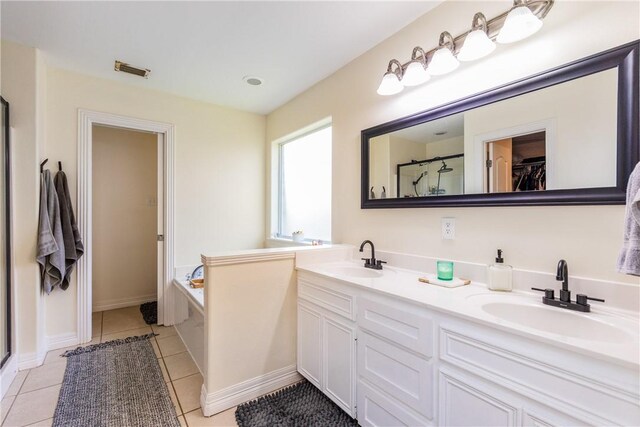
(356,272)
(556,320)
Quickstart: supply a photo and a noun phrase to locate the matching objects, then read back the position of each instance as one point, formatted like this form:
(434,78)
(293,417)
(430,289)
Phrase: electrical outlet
(448,228)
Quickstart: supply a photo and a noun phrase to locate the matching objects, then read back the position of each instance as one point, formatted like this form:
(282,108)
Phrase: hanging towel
(73,247)
(629,259)
(50,252)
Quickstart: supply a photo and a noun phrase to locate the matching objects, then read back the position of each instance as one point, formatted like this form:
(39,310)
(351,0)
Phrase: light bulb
(476,45)
(443,62)
(520,24)
(415,74)
(390,85)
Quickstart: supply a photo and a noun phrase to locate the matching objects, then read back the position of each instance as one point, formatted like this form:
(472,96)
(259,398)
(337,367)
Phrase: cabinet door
(339,345)
(466,401)
(310,344)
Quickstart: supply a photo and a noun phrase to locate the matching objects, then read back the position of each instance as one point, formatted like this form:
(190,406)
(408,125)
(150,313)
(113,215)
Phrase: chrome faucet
(562,275)
(371,262)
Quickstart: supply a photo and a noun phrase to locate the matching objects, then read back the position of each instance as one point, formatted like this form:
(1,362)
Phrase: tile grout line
(170,381)
(9,410)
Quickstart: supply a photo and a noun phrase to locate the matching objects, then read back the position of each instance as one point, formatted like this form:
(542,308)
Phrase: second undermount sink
(556,320)
(356,272)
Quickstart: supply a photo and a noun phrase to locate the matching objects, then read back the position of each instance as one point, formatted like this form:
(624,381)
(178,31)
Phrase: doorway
(126,182)
(159,202)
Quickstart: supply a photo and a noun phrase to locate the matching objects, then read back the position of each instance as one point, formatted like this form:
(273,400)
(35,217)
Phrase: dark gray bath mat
(117,383)
(149,312)
(301,405)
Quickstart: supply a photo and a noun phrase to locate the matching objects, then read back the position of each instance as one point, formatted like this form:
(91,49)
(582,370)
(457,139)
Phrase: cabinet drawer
(376,409)
(407,328)
(403,375)
(533,371)
(328,297)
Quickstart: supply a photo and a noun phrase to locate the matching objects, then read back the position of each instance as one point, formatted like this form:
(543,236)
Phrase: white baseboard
(61,341)
(31,360)
(8,373)
(112,304)
(218,401)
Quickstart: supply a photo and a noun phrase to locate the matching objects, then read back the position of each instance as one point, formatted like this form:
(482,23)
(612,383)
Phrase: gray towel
(629,259)
(50,252)
(73,247)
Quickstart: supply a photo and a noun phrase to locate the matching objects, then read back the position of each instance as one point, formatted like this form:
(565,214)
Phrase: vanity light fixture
(477,44)
(416,72)
(390,84)
(443,61)
(517,23)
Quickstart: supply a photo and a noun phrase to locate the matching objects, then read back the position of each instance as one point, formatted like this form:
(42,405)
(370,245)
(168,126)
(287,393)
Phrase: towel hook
(42,165)
(60,166)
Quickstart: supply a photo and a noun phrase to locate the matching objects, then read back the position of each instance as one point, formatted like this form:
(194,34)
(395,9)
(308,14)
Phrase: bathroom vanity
(390,350)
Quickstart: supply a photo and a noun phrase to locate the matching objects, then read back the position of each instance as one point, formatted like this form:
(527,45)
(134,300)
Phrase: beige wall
(219,159)
(250,313)
(23,87)
(219,167)
(532,238)
(125,217)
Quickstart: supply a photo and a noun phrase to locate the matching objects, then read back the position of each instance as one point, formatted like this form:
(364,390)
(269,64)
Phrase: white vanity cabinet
(327,340)
(416,366)
(395,363)
(490,377)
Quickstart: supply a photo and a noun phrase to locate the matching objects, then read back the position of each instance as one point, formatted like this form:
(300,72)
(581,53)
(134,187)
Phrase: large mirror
(566,136)
(5,237)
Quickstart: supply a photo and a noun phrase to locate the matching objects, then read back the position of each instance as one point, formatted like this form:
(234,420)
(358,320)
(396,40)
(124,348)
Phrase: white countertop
(622,346)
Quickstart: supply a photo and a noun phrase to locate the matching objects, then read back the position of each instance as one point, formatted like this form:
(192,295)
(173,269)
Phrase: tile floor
(42,384)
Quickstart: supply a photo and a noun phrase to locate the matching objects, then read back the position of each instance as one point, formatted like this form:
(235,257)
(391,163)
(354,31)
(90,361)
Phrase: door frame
(86,120)
(478,165)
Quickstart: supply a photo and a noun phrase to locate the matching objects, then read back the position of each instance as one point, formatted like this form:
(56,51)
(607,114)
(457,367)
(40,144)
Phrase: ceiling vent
(126,68)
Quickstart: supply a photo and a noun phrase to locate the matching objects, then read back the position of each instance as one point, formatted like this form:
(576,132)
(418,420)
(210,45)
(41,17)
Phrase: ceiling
(202,50)
(426,132)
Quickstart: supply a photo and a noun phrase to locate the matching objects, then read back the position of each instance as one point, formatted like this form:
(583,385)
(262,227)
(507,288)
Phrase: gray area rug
(299,405)
(117,383)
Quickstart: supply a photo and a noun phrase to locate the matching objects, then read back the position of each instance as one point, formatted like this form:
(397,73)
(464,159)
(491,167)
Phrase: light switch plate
(448,228)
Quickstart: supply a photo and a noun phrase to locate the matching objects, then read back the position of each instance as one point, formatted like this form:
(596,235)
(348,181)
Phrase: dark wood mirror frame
(625,58)
(6,204)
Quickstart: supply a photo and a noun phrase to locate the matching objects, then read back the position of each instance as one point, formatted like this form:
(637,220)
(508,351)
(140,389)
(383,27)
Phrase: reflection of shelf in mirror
(521,165)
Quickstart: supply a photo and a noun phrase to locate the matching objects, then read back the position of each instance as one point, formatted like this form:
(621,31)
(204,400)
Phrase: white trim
(160,222)
(547,125)
(86,120)
(7,375)
(61,341)
(31,360)
(246,258)
(212,403)
(111,304)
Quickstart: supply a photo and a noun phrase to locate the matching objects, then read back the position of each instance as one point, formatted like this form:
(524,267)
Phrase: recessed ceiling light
(442,132)
(253,80)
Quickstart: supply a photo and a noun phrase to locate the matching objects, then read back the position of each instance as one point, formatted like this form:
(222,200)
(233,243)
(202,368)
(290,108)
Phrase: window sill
(277,242)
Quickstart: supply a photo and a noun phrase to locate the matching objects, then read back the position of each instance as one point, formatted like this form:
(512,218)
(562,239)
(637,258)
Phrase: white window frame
(276,199)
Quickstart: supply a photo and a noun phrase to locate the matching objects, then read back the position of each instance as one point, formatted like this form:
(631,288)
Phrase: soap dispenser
(500,275)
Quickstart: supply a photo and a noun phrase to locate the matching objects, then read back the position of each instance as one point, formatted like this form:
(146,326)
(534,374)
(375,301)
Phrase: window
(304,185)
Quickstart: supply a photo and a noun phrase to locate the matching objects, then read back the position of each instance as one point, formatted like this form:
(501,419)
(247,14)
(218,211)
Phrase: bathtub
(189,320)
